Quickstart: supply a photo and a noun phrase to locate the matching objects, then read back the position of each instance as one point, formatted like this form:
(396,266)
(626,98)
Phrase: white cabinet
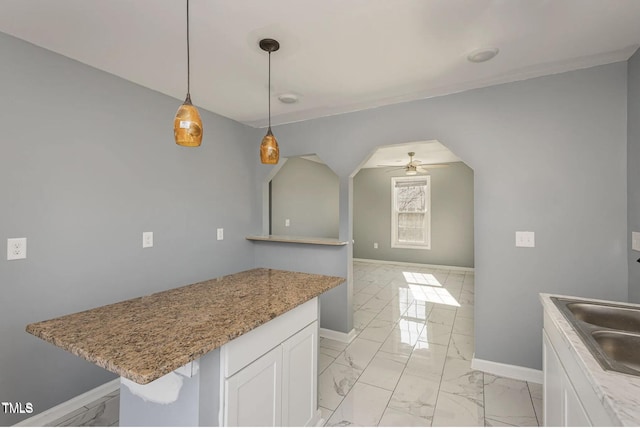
(569,398)
(299,377)
(574,413)
(253,395)
(270,374)
(562,407)
(265,377)
(552,384)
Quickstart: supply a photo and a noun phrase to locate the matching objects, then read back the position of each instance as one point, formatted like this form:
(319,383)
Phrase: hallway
(410,364)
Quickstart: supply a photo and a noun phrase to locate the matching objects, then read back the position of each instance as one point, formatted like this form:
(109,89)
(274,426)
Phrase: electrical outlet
(16,248)
(220,234)
(147,239)
(375,245)
(287,223)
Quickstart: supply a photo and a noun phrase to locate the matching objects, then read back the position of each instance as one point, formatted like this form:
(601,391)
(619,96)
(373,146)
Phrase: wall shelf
(297,240)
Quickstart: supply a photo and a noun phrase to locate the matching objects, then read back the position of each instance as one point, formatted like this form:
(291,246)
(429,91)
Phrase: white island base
(266,377)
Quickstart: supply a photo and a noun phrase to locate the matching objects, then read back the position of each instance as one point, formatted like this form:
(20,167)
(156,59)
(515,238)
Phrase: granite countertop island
(618,393)
(145,338)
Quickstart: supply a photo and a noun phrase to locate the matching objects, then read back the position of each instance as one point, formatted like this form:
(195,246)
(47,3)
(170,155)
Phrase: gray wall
(451,217)
(633,170)
(548,155)
(88,163)
(308,194)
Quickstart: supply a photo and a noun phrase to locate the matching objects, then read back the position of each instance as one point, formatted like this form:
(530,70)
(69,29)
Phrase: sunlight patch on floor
(421,278)
(426,293)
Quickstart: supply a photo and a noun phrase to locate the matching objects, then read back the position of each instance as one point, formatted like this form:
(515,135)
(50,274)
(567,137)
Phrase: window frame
(426,244)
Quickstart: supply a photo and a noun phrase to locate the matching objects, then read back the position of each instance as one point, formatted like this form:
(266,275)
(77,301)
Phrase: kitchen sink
(621,347)
(610,331)
(614,317)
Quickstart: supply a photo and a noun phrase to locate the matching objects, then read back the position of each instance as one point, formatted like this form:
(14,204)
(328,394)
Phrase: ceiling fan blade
(435,165)
(386,166)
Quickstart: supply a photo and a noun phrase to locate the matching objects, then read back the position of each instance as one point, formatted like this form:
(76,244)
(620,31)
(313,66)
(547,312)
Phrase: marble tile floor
(102,412)
(410,364)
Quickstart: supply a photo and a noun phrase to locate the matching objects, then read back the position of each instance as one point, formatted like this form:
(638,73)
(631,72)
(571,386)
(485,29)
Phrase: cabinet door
(253,395)
(300,374)
(552,386)
(574,413)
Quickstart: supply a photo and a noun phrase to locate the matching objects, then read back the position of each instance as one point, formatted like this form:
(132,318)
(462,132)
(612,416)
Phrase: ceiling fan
(415,166)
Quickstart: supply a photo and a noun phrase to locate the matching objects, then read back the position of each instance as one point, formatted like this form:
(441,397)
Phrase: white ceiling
(427,152)
(338,55)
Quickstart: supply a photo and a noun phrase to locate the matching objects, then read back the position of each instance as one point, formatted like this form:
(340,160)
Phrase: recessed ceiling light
(482,55)
(288,98)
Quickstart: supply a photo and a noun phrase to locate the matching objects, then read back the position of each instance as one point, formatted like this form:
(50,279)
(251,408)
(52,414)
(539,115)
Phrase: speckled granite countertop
(619,393)
(145,338)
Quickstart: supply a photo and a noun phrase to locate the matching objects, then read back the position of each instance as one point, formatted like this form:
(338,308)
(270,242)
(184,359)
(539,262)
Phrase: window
(411,212)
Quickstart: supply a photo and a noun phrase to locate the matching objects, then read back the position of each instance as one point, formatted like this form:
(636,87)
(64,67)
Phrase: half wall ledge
(297,240)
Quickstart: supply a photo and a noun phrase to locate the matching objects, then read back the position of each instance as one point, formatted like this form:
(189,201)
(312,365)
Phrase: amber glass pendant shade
(269,150)
(187,125)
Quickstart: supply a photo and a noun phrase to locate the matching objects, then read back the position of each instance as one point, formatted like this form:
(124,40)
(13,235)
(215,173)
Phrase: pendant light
(269,150)
(187,125)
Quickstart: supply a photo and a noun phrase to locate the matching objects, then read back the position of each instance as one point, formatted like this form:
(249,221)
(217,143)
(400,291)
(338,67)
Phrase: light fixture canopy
(288,98)
(187,125)
(482,55)
(269,150)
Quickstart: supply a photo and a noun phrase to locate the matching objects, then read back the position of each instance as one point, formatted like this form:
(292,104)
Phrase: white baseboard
(318,420)
(385,262)
(507,370)
(47,417)
(338,335)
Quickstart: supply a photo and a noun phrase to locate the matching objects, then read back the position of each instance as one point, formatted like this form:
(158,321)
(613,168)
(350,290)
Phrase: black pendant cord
(269,91)
(188,58)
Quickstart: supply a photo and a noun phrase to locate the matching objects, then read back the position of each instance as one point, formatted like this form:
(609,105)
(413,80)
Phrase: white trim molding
(47,417)
(338,335)
(507,370)
(385,262)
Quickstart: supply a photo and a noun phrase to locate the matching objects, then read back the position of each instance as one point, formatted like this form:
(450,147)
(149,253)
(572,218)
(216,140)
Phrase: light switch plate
(220,234)
(635,241)
(287,223)
(147,239)
(525,239)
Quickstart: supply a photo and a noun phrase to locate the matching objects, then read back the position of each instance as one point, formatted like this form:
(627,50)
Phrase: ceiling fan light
(411,170)
(187,125)
(269,150)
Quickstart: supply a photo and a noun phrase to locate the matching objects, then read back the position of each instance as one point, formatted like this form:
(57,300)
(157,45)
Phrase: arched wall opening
(534,146)
(444,232)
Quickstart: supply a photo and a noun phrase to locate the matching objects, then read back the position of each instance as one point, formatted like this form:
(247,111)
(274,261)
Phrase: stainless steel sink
(621,347)
(614,317)
(610,331)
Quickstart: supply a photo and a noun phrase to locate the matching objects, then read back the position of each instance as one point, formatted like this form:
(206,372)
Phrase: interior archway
(412,297)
